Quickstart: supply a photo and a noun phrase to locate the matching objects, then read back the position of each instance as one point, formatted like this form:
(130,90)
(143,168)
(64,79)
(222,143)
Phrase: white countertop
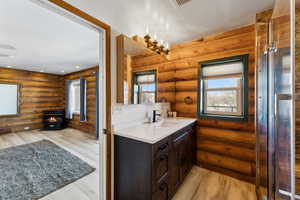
(152,133)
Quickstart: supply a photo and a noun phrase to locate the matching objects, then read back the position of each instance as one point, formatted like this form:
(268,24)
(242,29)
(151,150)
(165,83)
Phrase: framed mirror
(134,86)
(9,101)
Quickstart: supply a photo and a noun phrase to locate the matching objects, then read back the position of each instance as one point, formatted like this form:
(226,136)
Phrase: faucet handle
(155,114)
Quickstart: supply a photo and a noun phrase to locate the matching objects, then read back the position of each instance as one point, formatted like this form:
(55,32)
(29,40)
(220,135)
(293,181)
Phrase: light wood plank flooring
(202,184)
(80,144)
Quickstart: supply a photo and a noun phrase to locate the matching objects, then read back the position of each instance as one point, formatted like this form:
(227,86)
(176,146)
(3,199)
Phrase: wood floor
(80,144)
(202,184)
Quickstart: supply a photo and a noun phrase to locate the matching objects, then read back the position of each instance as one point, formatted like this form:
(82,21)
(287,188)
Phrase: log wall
(224,146)
(38,92)
(41,91)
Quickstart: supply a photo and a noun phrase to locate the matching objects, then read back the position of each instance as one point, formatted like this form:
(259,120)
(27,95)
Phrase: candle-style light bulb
(167,45)
(155,36)
(147,30)
(161,42)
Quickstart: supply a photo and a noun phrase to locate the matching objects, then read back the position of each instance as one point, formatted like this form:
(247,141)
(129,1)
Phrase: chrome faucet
(154,116)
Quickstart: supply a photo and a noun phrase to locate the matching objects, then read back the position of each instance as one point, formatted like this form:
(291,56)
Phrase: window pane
(148,87)
(76,98)
(222,101)
(147,98)
(223,93)
(223,83)
(136,94)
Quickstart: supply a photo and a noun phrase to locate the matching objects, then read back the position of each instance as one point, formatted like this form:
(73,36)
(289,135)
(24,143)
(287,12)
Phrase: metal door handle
(285,193)
(278,98)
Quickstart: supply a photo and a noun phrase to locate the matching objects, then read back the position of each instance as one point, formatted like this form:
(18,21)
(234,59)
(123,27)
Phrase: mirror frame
(121,48)
(120,68)
(18,98)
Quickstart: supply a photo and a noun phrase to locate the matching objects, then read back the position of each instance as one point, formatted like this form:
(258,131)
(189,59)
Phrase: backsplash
(125,116)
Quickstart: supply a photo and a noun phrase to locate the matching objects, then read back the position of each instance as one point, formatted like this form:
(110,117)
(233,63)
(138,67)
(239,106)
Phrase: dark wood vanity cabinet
(146,171)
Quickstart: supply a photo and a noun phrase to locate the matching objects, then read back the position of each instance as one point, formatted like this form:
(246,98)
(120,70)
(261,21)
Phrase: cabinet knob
(163,157)
(163,186)
(163,147)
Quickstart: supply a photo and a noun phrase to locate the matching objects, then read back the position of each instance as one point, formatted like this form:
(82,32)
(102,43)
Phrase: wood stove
(54,119)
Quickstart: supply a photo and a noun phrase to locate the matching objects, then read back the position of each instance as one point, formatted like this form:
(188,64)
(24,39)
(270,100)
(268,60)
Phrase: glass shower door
(297,99)
(281,106)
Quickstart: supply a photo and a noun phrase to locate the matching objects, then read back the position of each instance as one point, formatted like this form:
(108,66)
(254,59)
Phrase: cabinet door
(179,159)
(184,156)
(191,148)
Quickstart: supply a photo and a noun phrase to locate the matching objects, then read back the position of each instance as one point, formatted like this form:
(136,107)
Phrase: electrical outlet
(26,128)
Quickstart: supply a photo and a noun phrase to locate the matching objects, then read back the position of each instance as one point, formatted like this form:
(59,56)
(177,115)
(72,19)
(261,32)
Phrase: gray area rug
(31,171)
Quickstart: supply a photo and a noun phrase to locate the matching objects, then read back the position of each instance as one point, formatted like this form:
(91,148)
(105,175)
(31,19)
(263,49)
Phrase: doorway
(103,94)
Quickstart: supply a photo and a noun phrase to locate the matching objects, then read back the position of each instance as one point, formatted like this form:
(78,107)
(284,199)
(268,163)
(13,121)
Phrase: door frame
(68,8)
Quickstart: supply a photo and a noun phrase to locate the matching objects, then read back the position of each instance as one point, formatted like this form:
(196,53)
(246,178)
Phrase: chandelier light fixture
(155,46)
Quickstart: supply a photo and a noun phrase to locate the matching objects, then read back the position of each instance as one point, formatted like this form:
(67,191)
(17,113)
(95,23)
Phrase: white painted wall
(98,9)
(114,34)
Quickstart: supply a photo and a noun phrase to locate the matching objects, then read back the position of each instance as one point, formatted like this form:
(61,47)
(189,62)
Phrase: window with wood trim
(223,88)
(144,87)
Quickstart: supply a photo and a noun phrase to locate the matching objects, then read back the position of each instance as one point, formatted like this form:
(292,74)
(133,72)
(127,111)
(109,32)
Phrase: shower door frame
(275,190)
(272,162)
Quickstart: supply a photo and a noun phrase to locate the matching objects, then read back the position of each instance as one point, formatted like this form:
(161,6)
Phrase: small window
(75,97)
(223,88)
(144,87)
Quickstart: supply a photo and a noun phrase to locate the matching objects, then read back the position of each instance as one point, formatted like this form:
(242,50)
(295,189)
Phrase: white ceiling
(174,24)
(45,40)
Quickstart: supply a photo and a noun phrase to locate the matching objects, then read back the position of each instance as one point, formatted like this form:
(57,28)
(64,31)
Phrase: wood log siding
(39,92)
(224,146)
(90,124)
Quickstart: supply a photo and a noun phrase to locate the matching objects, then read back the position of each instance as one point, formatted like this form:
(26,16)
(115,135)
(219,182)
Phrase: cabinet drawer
(162,189)
(160,165)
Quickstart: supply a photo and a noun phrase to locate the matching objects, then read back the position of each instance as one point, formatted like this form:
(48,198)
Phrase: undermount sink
(165,123)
